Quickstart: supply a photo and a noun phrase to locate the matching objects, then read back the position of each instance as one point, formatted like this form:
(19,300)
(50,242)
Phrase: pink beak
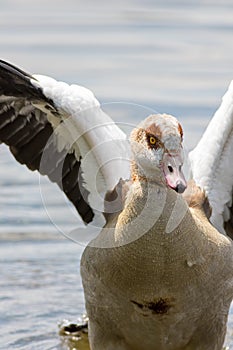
(172,165)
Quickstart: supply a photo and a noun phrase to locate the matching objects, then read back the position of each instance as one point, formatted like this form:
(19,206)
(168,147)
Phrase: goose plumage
(159,274)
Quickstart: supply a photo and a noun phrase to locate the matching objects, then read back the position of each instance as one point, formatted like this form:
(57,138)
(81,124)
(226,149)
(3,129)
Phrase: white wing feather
(91,134)
(212,161)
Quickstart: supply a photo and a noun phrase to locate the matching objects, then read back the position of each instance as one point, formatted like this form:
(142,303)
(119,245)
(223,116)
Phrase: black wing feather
(29,135)
(15,80)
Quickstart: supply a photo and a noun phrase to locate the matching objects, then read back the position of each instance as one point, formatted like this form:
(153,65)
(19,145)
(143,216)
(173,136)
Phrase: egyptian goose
(159,274)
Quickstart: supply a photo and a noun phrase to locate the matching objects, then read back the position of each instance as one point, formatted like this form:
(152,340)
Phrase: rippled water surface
(138,57)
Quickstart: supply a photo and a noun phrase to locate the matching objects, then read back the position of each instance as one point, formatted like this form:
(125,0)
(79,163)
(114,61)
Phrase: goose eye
(152,140)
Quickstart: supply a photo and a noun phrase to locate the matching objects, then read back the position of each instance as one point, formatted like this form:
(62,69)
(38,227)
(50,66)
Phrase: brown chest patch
(160,306)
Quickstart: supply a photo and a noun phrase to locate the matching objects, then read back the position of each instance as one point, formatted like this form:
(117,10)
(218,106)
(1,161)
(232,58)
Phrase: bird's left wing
(61,131)
(212,164)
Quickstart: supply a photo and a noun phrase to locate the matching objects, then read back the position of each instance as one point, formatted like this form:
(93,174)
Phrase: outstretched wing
(212,164)
(61,131)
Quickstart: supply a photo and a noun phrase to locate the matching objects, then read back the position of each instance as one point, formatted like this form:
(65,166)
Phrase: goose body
(159,274)
(161,291)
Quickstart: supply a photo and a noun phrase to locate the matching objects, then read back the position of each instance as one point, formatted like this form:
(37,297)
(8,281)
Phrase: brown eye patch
(153,141)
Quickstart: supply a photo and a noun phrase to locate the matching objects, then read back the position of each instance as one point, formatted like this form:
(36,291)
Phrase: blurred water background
(137,56)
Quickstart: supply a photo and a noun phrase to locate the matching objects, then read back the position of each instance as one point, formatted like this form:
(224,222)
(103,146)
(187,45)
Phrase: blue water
(166,56)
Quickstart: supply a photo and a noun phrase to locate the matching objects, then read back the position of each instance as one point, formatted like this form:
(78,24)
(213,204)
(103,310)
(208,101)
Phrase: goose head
(157,151)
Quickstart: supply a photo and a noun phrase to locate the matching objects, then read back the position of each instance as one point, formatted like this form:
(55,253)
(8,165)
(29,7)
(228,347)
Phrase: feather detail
(212,159)
(83,128)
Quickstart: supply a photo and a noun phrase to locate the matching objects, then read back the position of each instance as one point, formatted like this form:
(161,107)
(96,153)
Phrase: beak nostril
(170,168)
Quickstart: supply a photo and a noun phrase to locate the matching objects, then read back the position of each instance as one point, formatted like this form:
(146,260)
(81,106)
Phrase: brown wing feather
(196,198)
